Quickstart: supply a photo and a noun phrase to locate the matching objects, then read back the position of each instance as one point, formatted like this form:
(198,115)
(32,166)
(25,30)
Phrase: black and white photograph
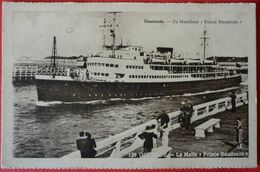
(128,85)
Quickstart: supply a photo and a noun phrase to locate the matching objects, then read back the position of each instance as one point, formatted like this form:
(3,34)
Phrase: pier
(26,74)
(219,138)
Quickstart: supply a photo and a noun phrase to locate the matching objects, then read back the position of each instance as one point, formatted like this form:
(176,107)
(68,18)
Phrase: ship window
(95,73)
(102,74)
(135,49)
(127,66)
(116,65)
(139,76)
(95,64)
(130,67)
(99,64)
(103,64)
(135,76)
(130,76)
(98,74)
(107,65)
(106,74)
(142,76)
(111,65)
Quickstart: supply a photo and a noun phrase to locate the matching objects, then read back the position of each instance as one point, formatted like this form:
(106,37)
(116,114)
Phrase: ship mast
(104,36)
(204,43)
(53,55)
(113,33)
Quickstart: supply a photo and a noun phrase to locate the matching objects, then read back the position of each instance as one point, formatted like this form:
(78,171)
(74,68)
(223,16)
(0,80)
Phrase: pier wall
(122,144)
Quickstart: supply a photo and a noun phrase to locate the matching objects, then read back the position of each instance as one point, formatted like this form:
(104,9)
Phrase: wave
(143,98)
(116,99)
(93,102)
(42,103)
(210,91)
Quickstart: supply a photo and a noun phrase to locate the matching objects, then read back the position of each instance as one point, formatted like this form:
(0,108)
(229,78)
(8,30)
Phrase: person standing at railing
(164,120)
(148,136)
(181,117)
(186,113)
(81,145)
(233,101)
(189,113)
(90,146)
(239,133)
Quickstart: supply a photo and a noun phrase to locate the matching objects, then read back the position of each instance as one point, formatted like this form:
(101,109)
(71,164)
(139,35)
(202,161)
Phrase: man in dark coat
(81,144)
(148,136)
(181,117)
(164,120)
(233,101)
(189,113)
(90,146)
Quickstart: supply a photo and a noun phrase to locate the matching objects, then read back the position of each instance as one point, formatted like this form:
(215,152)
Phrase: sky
(78,32)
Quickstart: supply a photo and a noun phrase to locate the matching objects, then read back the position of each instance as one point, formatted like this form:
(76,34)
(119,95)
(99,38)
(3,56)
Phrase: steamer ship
(127,71)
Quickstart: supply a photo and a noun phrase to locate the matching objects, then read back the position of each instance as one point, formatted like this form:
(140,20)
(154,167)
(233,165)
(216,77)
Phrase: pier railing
(24,71)
(120,145)
(28,72)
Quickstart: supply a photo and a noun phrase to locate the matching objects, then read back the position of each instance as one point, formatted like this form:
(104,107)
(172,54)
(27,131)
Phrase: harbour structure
(127,71)
(127,143)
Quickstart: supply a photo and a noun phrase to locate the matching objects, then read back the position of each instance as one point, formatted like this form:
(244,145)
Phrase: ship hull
(72,91)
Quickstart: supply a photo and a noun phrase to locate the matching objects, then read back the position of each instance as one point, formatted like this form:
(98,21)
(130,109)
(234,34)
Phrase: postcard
(128,85)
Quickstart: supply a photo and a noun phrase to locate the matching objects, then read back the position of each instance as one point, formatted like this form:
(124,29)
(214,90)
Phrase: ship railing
(125,143)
